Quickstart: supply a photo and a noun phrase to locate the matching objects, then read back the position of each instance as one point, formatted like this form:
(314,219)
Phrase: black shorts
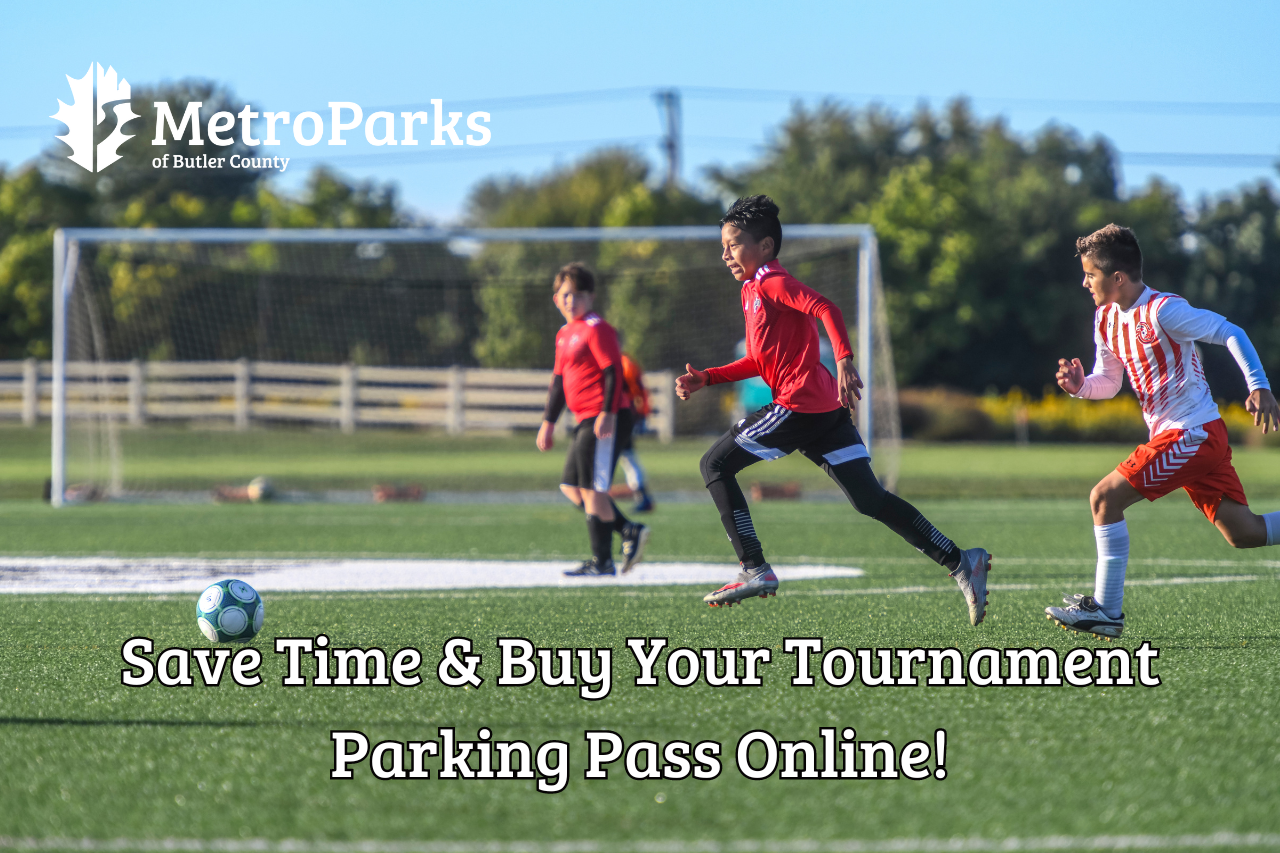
(774,431)
(624,437)
(590,461)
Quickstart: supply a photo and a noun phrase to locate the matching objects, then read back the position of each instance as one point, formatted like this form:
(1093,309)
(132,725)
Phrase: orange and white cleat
(760,581)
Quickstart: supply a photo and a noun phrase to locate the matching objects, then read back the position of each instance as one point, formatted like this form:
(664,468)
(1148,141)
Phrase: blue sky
(1153,78)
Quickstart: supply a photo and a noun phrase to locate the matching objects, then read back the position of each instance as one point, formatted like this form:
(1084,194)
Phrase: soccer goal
(184,338)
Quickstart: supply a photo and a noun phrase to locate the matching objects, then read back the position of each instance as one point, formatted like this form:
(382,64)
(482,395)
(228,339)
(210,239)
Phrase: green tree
(52,192)
(1235,271)
(31,209)
(977,230)
(636,290)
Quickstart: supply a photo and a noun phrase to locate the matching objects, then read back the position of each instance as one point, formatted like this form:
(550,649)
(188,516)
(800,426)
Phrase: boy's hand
(848,382)
(693,380)
(546,436)
(1071,376)
(605,422)
(1266,412)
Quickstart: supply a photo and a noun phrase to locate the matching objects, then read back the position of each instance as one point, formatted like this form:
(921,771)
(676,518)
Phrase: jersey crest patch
(755,306)
(1145,333)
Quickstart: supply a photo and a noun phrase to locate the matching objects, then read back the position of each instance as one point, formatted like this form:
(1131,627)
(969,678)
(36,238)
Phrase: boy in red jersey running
(809,413)
(588,378)
(1151,336)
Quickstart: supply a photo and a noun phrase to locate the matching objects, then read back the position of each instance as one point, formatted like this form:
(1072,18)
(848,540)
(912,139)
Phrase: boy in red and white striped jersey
(1151,337)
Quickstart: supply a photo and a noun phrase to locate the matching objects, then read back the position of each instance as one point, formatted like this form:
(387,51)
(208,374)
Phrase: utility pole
(668,101)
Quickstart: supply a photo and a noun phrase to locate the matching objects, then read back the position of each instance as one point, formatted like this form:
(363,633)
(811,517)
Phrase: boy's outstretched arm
(1182,321)
(695,379)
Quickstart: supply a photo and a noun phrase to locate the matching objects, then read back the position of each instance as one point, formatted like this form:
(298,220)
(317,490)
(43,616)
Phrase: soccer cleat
(1085,615)
(972,579)
(634,538)
(1075,598)
(591,568)
(759,581)
(645,504)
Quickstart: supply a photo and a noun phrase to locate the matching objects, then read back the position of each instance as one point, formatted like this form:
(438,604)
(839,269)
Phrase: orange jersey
(633,375)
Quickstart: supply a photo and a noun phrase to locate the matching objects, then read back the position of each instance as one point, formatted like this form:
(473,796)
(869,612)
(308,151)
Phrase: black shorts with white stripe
(773,432)
(590,461)
(830,441)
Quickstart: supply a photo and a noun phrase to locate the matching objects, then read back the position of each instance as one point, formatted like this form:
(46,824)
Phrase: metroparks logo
(80,119)
(308,128)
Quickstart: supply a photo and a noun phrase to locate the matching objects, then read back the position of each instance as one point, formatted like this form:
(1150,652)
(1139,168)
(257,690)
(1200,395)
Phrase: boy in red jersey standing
(1152,336)
(809,413)
(588,379)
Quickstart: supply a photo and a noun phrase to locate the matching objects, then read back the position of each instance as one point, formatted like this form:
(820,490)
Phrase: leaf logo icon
(80,118)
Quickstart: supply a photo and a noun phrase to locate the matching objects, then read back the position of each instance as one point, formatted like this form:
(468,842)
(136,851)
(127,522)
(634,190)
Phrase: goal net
(170,344)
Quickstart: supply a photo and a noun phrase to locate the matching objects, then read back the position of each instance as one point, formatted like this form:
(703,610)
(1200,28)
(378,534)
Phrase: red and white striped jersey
(1154,344)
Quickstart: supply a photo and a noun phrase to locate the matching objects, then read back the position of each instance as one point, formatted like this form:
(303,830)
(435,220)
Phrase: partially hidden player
(633,375)
(1151,336)
(588,379)
(809,412)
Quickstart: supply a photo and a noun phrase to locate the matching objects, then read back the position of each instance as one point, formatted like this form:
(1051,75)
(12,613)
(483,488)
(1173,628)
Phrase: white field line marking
(182,574)
(1019,587)
(894,845)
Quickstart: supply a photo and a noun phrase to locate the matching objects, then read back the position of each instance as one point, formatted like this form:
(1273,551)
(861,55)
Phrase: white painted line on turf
(796,845)
(181,574)
(1019,587)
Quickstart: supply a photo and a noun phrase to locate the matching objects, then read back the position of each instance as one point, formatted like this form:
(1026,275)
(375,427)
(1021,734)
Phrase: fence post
(30,392)
(347,397)
(137,394)
(667,419)
(456,415)
(242,393)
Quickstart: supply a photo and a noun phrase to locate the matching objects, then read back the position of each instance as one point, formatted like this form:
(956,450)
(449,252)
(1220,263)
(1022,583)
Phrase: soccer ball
(229,612)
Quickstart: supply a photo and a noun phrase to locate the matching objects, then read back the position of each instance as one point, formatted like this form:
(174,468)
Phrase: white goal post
(69,244)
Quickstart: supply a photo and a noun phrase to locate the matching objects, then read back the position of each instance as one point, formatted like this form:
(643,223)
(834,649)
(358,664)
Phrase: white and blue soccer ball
(230,611)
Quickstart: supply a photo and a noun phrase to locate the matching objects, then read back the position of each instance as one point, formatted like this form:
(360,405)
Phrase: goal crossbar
(67,241)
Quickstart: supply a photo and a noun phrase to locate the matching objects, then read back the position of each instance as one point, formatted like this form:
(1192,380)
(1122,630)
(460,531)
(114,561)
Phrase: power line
(1253,109)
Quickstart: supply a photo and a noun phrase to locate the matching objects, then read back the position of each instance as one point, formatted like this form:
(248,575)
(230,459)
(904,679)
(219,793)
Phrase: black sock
(906,521)
(600,533)
(737,522)
(620,521)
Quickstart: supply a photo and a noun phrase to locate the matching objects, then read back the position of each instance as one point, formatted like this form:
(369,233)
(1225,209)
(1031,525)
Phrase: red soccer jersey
(782,341)
(584,348)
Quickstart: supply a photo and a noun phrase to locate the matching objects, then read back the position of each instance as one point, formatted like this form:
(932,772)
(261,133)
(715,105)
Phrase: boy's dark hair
(584,281)
(758,216)
(1112,249)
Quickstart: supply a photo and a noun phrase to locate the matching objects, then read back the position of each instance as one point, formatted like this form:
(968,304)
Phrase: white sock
(1273,527)
(1113,559)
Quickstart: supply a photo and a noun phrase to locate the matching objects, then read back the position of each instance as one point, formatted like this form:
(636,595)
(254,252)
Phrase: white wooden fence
(345,395)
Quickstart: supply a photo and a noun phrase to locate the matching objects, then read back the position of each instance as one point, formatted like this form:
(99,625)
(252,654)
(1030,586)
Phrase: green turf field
(170,457)
(1049,766)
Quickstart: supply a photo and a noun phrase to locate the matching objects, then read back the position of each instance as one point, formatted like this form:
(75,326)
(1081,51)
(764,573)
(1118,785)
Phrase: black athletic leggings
(721,464)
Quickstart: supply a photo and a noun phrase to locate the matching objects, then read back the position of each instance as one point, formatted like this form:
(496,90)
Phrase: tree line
(977,227)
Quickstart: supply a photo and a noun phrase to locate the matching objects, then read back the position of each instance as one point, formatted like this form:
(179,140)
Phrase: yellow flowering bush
(941,414)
